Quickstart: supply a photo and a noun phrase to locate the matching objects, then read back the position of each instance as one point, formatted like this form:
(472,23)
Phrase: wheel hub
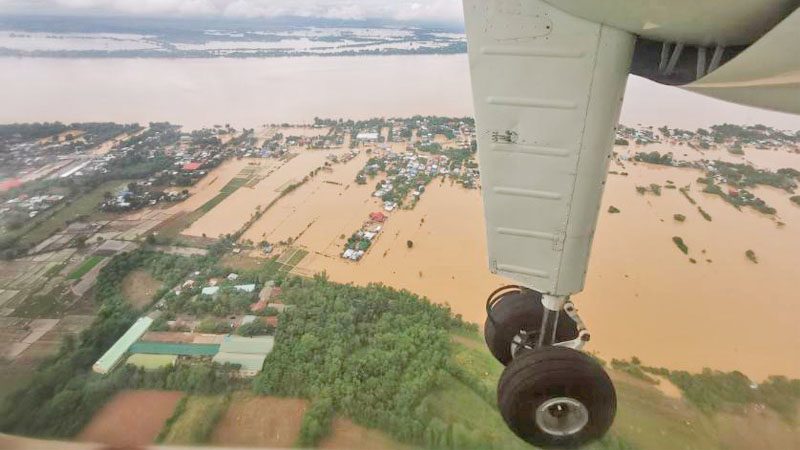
(561,416)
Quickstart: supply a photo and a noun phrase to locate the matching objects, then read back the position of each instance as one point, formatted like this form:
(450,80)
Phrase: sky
(405,10)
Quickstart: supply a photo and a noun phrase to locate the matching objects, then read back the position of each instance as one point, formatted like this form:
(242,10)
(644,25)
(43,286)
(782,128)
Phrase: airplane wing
(548,86)
(548,89)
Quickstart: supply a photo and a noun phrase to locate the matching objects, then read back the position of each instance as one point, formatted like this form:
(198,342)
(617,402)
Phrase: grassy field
(297,257)
(139,288)
(84,205)
(151,362)
(195,421)
(646,418)
(259,421)
(84,268)
(226,190)
(13,376)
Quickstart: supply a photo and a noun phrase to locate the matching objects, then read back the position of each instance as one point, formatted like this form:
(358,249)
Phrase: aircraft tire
(516,311)
(556,397)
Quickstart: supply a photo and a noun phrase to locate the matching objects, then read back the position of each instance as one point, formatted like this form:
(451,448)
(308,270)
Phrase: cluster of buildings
(734,137)
(360,241)
(30,206)
(407,175)
(343,158)
(127,199)
(183,339)
(639,136)
(153,350)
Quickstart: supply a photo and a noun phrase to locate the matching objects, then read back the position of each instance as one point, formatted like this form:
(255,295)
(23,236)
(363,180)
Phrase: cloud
(406,10)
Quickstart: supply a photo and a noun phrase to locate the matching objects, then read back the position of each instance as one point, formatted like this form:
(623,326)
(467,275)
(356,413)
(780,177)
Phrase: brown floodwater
(643,296)
(236,210)
(316,215)
(249,92)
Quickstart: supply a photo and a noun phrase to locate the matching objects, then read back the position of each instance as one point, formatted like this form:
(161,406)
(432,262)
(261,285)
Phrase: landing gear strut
(550,394)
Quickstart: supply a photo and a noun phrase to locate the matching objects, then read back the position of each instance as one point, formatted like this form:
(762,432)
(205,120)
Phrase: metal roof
(112,356)
(249,345)
(248,362)
(245,287)
(210,290)
(174,348)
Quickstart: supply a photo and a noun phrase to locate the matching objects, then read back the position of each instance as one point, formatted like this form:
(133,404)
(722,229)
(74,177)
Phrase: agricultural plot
(131,418)
(23,277)
(260,422)
(87,265)
(151,362)
(285,263)
(83,206)
(347,435)
(30,340)
(194,421)
(172,227)
(139,288)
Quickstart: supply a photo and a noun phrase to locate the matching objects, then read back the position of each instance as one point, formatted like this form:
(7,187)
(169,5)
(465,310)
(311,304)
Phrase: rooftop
(249,345)
(170,348)
(112,356)
(248,362)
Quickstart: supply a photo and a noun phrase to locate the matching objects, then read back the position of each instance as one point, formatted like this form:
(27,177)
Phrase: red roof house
(10,184)
(377,216)
(192,166)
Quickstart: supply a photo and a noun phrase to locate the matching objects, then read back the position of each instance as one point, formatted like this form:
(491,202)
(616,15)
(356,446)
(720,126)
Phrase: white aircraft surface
(548,79)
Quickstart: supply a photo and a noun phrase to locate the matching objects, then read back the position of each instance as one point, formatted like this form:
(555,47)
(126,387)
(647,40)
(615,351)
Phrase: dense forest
(371,353)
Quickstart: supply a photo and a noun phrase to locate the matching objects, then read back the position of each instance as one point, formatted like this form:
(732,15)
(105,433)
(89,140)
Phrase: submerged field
(636,295)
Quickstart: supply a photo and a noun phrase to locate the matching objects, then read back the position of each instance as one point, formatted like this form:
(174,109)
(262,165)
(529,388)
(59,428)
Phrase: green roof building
(114,355)
(174,348)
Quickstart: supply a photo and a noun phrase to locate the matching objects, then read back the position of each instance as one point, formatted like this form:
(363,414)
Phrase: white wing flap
(548,89)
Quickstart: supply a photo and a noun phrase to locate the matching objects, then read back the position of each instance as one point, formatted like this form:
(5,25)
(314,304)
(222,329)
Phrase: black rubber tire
(544,373)
(516,311)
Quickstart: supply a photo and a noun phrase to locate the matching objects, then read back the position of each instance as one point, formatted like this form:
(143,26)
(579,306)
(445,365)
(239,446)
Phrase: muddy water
(230,215)
(317,214)
(446,262)
(209,186)
(643,296)
(772,159)
(251,91)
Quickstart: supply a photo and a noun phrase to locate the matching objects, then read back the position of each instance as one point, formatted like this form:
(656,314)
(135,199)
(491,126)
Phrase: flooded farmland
(231,215)
(643,297)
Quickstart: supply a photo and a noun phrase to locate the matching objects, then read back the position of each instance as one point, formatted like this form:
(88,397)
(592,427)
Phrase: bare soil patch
(347,435)
(131,418)
(241,262)
(253,421)
(139,287)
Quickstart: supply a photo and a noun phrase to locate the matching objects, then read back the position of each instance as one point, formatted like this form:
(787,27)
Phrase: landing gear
(514,320)
(550,394)
(556,397)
